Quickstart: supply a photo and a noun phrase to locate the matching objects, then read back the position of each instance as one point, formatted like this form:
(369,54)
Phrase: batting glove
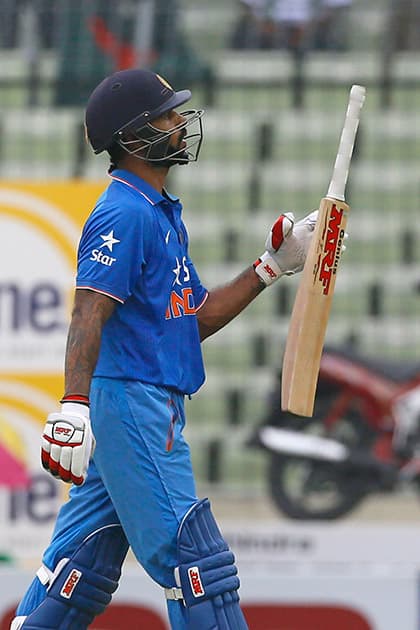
(286,245)
(68,443)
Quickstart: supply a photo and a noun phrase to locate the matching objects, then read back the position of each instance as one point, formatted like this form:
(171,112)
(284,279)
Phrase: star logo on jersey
(109,240)
(177,271)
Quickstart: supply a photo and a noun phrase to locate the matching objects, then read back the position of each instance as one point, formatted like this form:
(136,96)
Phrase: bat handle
(345,149)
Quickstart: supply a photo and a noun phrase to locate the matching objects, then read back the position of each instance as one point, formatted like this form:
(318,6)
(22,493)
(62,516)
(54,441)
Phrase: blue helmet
(122,107)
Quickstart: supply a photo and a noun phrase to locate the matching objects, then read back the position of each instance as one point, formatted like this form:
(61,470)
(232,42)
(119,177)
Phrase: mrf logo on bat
(330,248)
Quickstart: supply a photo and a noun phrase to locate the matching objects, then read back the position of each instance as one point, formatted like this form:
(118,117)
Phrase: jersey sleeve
(112,251)
(200,293)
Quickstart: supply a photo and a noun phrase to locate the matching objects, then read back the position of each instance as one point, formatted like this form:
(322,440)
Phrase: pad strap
(207,575)
(44,575)
(81,586)
(174,593)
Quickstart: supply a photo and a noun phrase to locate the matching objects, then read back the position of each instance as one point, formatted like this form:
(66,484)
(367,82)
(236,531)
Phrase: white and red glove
(68,442)
(286,247)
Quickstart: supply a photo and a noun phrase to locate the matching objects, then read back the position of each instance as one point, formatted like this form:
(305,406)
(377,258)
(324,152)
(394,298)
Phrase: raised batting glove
(68,443)
(286,247)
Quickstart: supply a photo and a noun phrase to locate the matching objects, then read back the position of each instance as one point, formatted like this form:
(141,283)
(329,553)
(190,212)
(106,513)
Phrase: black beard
(166,149)
(181,159)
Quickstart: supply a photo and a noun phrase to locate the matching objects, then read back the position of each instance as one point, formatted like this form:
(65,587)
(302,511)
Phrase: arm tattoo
(91,310)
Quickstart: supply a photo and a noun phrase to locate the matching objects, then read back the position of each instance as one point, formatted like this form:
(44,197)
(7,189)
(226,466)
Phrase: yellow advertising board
(40,225)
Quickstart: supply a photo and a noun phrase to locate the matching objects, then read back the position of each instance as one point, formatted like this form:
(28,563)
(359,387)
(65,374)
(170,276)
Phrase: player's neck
(155,176)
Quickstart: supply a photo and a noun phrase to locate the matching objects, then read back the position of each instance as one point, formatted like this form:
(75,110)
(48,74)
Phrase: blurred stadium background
(274,87)
(273,77)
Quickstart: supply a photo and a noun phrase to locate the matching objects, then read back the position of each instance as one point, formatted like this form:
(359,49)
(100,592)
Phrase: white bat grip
(345,149)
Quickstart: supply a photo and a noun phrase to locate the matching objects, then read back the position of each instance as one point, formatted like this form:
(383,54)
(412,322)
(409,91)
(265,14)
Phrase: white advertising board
(271,601)
(332,577)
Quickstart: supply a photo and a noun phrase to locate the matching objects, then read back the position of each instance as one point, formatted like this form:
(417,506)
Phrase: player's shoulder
(122,205)
(120,195)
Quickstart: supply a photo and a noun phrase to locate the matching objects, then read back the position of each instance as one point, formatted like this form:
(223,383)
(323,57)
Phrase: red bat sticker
(332,239)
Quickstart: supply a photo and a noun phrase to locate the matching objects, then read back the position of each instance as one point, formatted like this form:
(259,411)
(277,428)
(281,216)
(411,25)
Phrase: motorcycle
(363,437)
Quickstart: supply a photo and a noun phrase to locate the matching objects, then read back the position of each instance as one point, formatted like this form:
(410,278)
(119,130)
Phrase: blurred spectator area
(404,19)
(56,51)
(319,24)
(88,39)
(291,24)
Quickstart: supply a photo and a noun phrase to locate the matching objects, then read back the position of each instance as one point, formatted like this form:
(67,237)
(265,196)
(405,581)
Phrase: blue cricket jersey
(134,248)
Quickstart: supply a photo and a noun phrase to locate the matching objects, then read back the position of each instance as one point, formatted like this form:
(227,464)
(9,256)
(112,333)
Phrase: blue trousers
(140,476)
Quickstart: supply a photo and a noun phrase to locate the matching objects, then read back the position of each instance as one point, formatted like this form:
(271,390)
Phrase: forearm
(286,248)
(225,303)
(91,311)
(82,352)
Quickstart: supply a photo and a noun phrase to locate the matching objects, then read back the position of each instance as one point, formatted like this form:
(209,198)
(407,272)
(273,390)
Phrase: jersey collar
(143,188)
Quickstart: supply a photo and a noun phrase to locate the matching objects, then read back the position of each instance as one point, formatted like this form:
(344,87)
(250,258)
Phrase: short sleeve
(112,251)
(199,292)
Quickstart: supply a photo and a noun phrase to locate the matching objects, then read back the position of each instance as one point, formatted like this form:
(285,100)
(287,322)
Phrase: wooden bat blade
(309,319)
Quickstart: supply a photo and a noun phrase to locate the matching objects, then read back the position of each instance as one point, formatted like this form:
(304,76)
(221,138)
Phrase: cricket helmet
(122,108)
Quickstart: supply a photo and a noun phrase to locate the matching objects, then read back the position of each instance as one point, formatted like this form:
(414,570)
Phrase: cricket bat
(311,309)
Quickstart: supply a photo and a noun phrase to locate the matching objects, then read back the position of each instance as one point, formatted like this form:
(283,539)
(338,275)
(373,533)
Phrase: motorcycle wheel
(310,489)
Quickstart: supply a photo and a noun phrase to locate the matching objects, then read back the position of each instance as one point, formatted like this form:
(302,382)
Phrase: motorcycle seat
(396,371)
